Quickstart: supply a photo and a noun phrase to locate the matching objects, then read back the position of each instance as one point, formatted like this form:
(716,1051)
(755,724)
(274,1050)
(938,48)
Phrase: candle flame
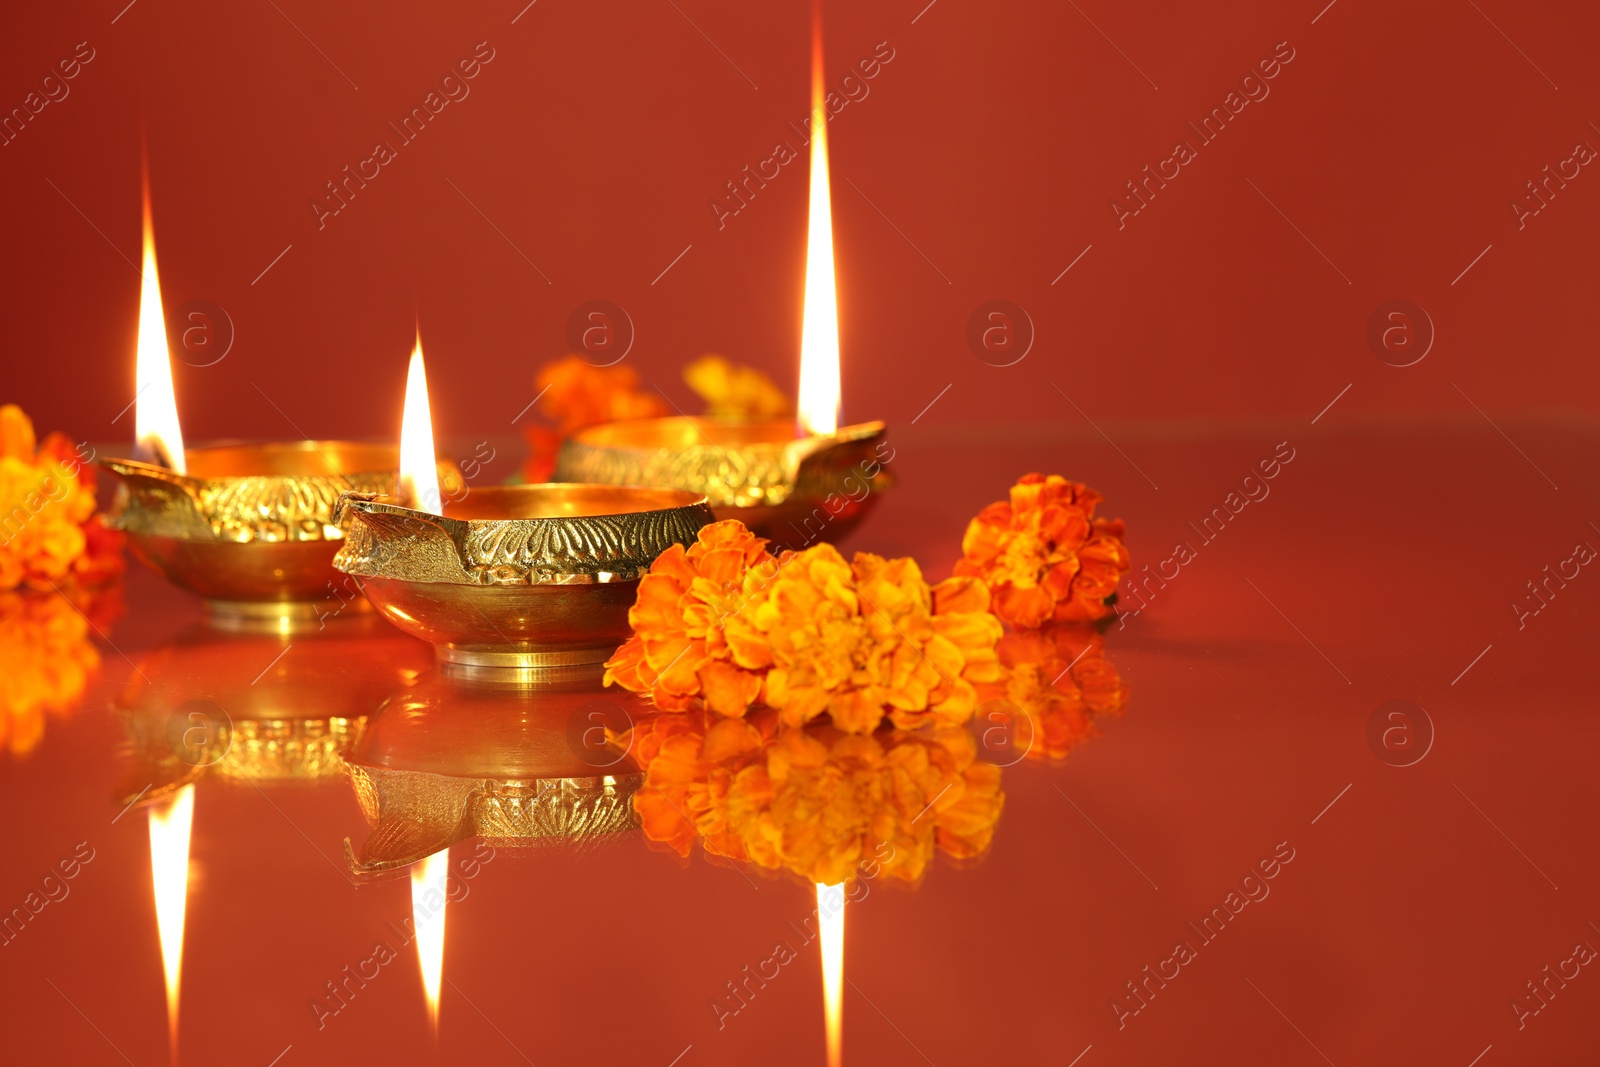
(419,478)
(830,927)
(427,918)
(155,418)
(818,406)
(169,874)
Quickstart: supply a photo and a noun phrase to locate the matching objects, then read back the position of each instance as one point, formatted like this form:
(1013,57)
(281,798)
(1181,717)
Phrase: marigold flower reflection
(819,329)
(155,417)
(169,873)
(427,917)
(831,931)
(419,477)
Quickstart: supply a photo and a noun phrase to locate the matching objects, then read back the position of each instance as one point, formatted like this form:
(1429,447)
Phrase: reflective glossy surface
(1348,683)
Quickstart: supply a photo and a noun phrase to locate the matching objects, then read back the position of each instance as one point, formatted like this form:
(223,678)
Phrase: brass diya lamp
(516,575)
(791,489)
(252,704)
(249,527)
(526,576)
(520,759)
(792,482)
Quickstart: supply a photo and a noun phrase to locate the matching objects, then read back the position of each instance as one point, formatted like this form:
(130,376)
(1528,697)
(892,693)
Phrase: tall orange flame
(427,918)
(155,419)
(818,407)
(419,478)
(169,874)
(830,935)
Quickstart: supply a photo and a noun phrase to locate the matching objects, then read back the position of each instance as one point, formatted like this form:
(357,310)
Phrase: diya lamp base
(791,490)
(250,527)
(516,577)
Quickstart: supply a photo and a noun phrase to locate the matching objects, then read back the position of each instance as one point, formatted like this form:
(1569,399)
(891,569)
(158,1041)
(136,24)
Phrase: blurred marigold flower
(46,658)
(1058,681)
(573,395)
(814,801)
(1044,554)
(49,531)
(734,391)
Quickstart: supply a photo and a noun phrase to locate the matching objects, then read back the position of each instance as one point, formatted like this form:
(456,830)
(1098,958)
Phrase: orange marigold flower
(814,801)
(1044,554)
(1057,680)
(864,639)
(46,660)
(49,532)
(680,650)
(734,391)
(574,394)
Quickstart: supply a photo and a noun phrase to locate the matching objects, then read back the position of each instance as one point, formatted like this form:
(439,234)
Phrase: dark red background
(994,140)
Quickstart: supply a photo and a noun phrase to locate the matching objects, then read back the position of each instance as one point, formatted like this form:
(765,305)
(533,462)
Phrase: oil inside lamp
(419,477)
(818,401)
(156,430)
(169,873)
(427,917)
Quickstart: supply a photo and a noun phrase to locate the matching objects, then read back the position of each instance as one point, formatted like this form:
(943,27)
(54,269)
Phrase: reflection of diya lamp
(515,575)
(249,526)
(794,483)
(791,489)
(257,707)
(517,759)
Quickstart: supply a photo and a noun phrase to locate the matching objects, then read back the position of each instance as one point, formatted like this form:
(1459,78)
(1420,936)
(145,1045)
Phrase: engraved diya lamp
(249,527)
(252,704)
(792,482)
(518,758)
(525,576)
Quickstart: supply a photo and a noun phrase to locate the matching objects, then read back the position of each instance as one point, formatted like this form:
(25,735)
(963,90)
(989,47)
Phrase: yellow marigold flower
(734,391)
(821,804)
(864,639)
(679,651)
(1057,681)
(1044,554)
(45,663)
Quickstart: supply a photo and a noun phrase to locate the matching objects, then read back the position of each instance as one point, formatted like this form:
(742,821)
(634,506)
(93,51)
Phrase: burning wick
(169,874)
(818,406)
(419,479)
(830,923)
(156,432)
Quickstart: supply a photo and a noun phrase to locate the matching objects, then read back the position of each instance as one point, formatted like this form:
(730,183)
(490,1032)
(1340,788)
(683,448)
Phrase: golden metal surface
(758,472)
(505,757)
(249,523)
(516,576)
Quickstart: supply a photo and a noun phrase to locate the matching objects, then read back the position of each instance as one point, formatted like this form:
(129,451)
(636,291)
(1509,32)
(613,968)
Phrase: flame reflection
(830,921)
(427,917)
(169,872)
